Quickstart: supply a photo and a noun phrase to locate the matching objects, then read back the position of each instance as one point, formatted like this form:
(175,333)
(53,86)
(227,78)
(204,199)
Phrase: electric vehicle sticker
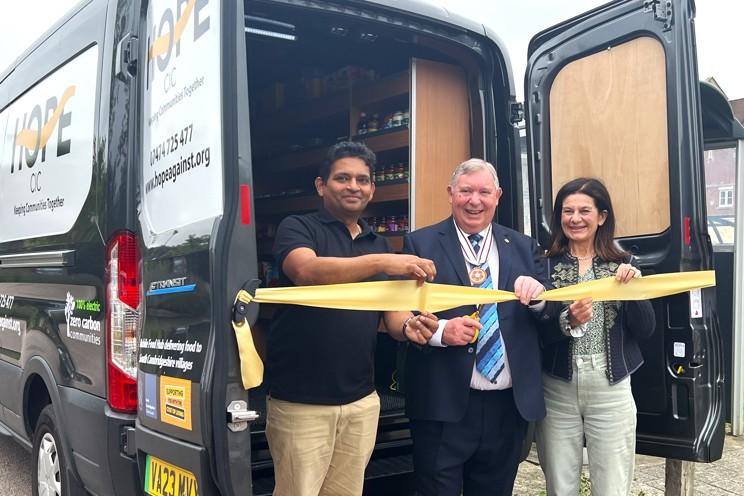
(84,328)
(182,116)
(47,150)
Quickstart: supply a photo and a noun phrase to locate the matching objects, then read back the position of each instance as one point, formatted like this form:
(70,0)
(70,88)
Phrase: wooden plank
(386,140)
(608,119)
(442,128)
(679,478)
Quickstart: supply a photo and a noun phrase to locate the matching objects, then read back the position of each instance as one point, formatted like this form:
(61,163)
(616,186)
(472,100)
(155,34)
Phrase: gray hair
(473,165)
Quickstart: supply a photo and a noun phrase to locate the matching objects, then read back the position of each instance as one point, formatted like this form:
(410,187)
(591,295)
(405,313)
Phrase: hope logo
(167,34)
(32,132)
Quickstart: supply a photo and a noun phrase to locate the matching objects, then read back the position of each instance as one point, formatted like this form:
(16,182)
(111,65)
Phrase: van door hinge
(238,416)
(662,10)
(516,112)
(126,57)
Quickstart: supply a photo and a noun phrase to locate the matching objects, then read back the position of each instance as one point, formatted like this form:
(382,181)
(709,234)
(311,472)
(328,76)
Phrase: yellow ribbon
(408,295)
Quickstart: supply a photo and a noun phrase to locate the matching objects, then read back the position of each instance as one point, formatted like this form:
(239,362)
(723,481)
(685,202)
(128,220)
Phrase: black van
(150,148)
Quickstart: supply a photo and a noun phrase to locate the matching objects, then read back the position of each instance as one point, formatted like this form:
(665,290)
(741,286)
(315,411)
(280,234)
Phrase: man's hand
(460,331)
(527,288)
(580,312)
(409,266)
(420,328)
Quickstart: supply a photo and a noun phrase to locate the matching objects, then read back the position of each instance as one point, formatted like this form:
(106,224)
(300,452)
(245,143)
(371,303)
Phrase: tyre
(49,463)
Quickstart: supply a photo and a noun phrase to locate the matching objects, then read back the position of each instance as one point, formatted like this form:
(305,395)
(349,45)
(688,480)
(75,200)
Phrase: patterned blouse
(593,340)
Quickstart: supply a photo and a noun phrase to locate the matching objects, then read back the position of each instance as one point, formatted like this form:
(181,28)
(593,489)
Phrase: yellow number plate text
(164,479)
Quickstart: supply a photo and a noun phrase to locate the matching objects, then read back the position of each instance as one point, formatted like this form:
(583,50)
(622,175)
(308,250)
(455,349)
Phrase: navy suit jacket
(438,379)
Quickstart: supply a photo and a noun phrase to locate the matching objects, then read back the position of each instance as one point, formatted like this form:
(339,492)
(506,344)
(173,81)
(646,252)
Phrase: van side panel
(52,258)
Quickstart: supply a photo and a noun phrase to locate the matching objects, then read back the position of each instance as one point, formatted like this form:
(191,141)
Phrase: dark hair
(604,240)
(346,149)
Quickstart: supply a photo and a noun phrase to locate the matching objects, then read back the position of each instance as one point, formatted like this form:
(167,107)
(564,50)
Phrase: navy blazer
(437,380)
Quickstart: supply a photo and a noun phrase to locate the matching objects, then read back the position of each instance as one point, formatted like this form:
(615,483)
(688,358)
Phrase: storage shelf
(313,109)
(370,92)
(388,139)
(381,141)
(306,111)
(294,160)
(283,205)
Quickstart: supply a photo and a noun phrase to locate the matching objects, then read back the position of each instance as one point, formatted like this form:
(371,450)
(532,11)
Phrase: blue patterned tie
(489,355)
(475,240)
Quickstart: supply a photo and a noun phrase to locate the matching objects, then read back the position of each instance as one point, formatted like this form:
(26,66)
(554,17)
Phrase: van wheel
(48,460)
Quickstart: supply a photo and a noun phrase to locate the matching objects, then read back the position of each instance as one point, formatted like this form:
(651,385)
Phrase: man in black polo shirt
(322,407)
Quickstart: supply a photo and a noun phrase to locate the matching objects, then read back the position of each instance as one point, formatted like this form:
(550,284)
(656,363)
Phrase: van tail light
(123,319)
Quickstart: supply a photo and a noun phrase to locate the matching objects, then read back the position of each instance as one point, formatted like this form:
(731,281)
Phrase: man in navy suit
(474,384)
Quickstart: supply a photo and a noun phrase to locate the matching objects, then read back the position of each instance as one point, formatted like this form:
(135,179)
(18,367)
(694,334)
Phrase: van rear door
(614,94)
(197,243)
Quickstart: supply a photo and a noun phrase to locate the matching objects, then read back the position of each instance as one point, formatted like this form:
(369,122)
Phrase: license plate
(164,479)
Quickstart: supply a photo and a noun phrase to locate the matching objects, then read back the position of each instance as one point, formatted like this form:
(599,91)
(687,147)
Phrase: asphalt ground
(724,477)
(15,468)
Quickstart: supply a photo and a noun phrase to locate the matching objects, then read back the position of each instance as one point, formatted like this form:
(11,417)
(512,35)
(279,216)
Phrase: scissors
(475,315)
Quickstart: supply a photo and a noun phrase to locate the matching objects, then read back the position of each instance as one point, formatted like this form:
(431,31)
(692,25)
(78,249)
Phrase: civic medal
(477,275)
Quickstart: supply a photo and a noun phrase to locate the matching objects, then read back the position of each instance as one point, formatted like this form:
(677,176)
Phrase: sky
(719,24)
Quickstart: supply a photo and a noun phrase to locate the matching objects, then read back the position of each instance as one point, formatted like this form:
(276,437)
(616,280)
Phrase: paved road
(724,477)
(15,468)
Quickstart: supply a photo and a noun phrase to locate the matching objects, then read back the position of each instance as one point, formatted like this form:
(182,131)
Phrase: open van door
(197,247)
(614,94)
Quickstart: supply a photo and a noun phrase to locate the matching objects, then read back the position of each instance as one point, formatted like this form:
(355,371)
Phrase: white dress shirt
(477,380)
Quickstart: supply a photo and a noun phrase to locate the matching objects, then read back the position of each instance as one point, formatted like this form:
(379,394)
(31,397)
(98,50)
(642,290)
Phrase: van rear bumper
(183,454)
(95,435)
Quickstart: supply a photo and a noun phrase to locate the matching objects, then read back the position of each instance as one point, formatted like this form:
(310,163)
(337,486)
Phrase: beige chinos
(321,449)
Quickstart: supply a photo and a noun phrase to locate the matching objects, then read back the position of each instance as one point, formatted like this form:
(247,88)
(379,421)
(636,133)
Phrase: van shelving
(359,94)
(286,205)
(380,141)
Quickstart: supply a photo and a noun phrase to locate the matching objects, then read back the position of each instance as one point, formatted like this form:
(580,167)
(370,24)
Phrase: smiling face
(348,189)
(474,199)
(580,219)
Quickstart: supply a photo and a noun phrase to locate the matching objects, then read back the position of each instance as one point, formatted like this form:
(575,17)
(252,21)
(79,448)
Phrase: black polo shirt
(316,355)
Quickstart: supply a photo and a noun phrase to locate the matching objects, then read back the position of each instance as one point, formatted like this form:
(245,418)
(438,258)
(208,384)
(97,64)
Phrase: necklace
(581,259)
(476,274)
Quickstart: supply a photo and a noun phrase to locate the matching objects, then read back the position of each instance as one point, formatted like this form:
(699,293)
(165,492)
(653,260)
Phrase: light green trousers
(588,408)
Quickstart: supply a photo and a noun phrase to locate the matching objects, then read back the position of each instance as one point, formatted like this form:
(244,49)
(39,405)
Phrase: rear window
(608,119)
(182,116)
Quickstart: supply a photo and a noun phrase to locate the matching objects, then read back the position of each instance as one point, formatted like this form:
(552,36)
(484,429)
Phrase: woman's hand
(580,312)
(626,272)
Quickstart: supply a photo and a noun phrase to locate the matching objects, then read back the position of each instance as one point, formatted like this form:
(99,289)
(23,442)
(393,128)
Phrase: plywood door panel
(441,127)
(608,119)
